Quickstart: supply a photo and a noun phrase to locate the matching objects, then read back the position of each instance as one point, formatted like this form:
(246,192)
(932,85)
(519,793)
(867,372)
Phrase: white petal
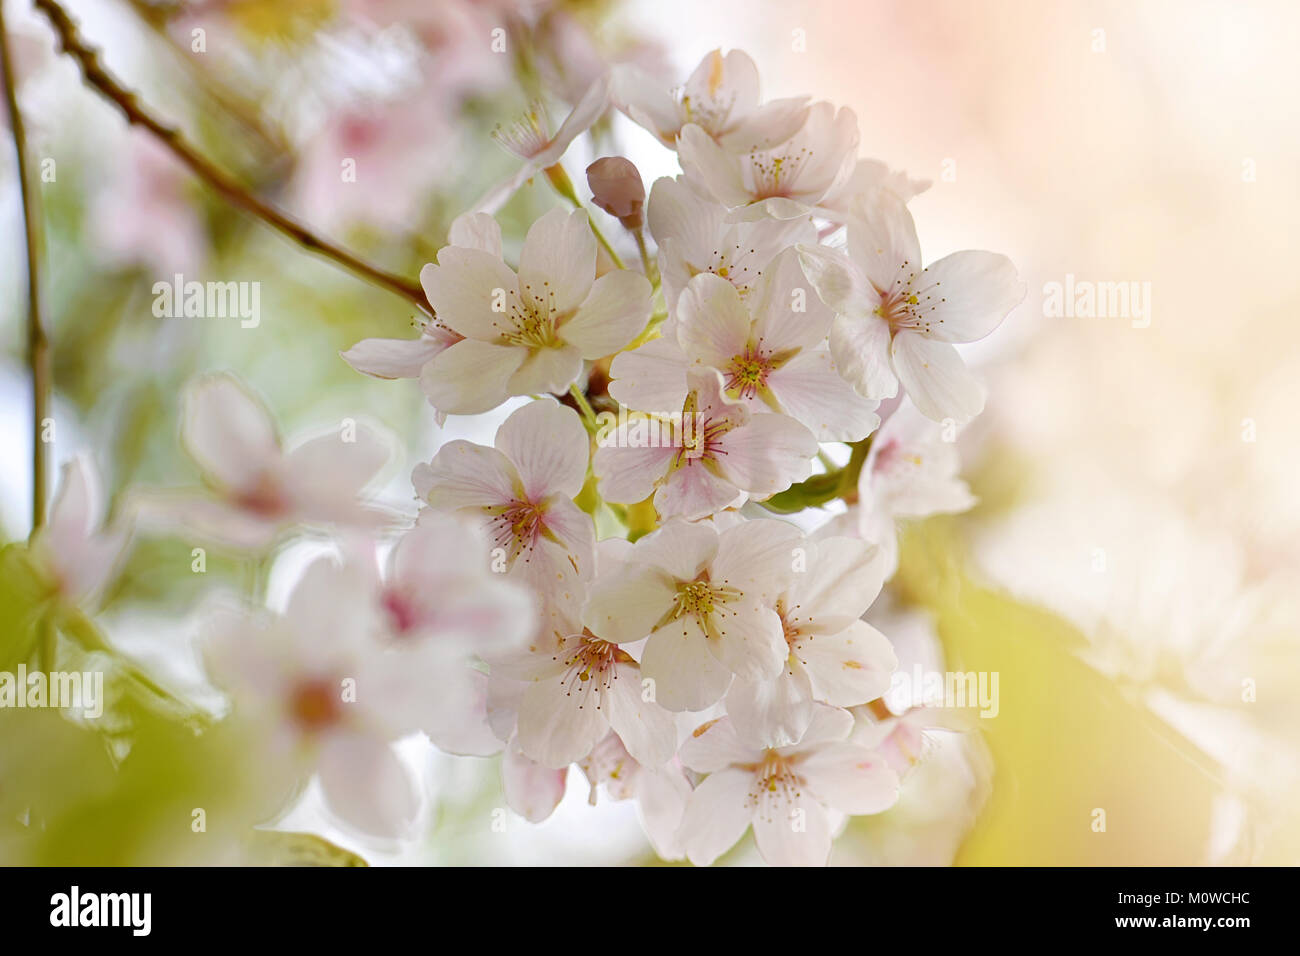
(625,606)
(676,211)
(392,358)
(464,287)
(560,720)
(588,109)
(841,579)
(758,556)
(710,166)
(465,475)
(971,293)
(651,378)
(715,745)
(860,349)
(809,389)
(840,284)
(686,676)
(768,454)
(531,790)
(679,548)
(548,446)
(646,101)
(850,778)
(787,311)
(629,474)
(611,316)
(770,125)
(546,370)
(366,785)
(558,263)
(228,432)
(936,379)
(476,230)
(470,377)
(717,815)
(326,474)
(792,830)
(882,240)
(851,667)
(694,491)
(772,713)
(647,730)
(713,325)
(749,641)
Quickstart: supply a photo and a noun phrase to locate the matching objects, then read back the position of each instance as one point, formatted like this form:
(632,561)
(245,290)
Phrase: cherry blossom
(528,332)
(703,598)
(720,97)
(76,551)
(787,794)
(257,490)
(782,182)
(522,493)
(834,656)
(714,455)
(896,320)
(770,348)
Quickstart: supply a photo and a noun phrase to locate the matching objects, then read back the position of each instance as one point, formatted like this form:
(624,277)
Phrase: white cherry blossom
(896,320)
(787,794)
(527,332)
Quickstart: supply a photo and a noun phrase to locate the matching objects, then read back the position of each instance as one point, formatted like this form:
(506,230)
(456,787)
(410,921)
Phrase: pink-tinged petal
(625,606)
(850,778)
(841,580)
(558,263)
(392,358)
(228,432)
(367,786)
(779,208)
(970,294)
(809,389)
(531,790)
(726,82)
(686,676)
(646,102)
(629,474)
(560,720)
(767,454)
(208,519)
(680,549)
(548,446)
(860,350)
(647,730)
(716,745)
(769,126)
(840,284)
(458,723)
(676,211)
(651,378)
(713,325)
(851,667)
(828,725)
(760,556)
(882,240)
(546,370)
(833,135)
(749,641)
(326,475)
(76,510)
(717,815)
(611,316)
(468,288)
(791,829)
(661,800)
(465,475)
(498,193)
(693,492)
(588,109)
(936,379)
(787,311)
(574,532)
(772,713)
(471,377)
(476,230)
(710,166)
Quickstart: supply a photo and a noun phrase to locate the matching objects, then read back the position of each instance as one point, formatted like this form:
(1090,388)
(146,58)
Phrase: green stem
(588,413)
(38,349)
(564,186)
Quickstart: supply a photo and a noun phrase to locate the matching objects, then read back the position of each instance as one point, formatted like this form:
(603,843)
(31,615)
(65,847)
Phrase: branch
(137,114)
(38,348)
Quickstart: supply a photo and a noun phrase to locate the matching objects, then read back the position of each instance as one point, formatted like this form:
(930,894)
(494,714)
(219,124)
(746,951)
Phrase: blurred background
(1131,570)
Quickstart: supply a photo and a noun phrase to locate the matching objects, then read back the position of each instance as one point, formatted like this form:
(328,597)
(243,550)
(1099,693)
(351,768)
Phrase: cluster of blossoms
(612,585)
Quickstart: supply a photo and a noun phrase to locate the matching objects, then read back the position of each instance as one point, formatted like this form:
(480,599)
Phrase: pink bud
(616,188)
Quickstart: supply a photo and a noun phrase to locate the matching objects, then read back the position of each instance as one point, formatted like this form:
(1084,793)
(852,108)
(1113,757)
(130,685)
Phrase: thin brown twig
(129,103)
(38,347)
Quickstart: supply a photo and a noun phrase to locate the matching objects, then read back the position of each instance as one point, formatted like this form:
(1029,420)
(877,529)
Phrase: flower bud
(616,188)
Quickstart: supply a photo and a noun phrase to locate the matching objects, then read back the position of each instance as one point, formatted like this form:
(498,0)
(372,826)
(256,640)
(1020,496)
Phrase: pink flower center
(316,705)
